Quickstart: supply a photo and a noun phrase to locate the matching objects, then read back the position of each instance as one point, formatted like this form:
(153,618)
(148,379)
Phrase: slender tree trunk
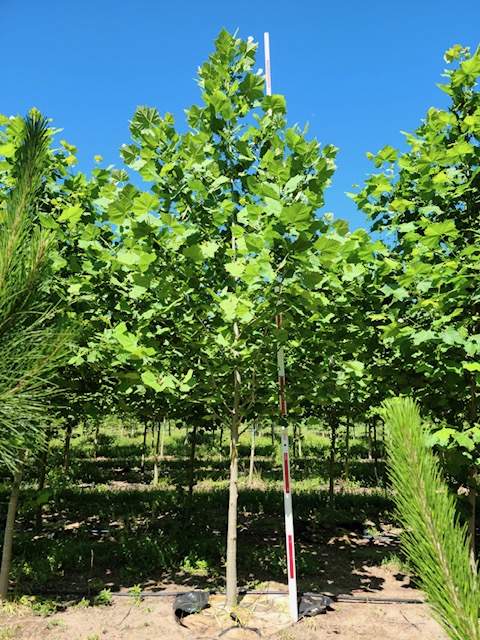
(9,529)
(346,466)
(144,446)
(299,442)
(66,449)
(375,450)
(162,439)
(331,487)
(42,472)
(272,432)
(191,469)
(95,440)
(157,450)
(472,485)
(231,582)
(295,437)
(252,456)
(220,446)
(369,435)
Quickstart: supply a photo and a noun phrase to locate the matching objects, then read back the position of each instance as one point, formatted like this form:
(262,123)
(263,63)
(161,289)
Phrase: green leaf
(236,268)
(229,306)
(144,203)
(150,380)
(424,335)
(47,221)
(145,260)
(341,227)
(71,214)
(127,258)
(451,336)
(145,118)
(471,366)
(437,229)
(7,150)
(275,104)
(387,154)
(298,215)
(273,206)
(209,248)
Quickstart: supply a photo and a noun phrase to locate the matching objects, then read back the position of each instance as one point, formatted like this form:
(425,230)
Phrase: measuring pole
(287,495)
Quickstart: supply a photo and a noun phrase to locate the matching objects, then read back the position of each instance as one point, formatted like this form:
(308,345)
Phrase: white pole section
(268,83)
(289,534)
(290,539)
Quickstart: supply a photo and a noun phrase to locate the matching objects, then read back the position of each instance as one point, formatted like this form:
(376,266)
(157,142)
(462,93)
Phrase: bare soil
(153,617)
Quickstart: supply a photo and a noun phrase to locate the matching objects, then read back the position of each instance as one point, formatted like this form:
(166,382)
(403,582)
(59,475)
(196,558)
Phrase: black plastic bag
(190,602)
(313,605)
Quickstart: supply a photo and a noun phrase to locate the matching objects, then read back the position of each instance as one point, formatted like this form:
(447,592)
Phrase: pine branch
(434,540)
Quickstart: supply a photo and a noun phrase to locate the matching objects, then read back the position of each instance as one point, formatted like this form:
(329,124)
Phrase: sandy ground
(153,618)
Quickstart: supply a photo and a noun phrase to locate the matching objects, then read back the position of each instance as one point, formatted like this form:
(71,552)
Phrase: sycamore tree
(218,245)
(428,198)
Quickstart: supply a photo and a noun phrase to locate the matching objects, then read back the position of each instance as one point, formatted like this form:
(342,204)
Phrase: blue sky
(357,72)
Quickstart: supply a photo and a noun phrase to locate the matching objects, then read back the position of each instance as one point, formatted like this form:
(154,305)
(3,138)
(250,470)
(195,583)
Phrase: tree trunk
(162,440)
(191,469)
(95,440)
(157,449)
(42,472)
(220,446)
(144,446)
(252,456)
(346,466)
(295,438)
(375,450)
(9,529)
(369,436)
(66,449)
(231,578)
(331,487)
(472,485)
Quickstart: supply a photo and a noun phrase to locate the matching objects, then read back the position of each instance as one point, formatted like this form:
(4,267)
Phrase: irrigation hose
(172,594)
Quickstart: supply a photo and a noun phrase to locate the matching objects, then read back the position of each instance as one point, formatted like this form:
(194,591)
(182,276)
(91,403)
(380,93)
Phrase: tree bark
(191,470)
(375,450)
(66,449)
(331,487)
(42,472)
(472,484)
(252,456)
(9,530)
(346,466)
(144,446)
(95,439)
(162,439)
(231,578)
(157,449)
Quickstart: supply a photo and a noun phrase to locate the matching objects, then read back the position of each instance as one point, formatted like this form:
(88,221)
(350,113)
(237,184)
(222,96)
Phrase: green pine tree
(33,338)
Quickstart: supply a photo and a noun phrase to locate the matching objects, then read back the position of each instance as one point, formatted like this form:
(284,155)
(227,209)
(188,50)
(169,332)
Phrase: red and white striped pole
(287,495)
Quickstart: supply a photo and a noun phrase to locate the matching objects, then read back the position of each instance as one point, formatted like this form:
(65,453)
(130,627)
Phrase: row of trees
(173,290)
